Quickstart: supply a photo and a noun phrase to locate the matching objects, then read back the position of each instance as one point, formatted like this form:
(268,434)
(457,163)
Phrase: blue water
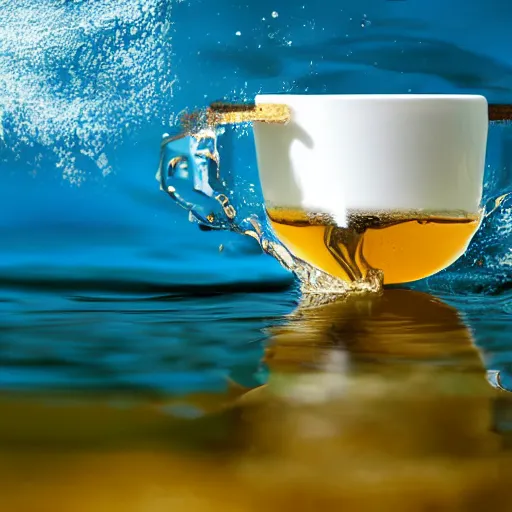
(104,284)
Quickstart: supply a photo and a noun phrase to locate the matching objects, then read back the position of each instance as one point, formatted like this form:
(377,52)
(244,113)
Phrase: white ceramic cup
(374,152)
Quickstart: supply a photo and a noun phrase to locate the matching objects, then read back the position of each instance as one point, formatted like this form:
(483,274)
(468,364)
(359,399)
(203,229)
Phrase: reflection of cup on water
(392,182)
(404,332)
(397,329)
(368,380)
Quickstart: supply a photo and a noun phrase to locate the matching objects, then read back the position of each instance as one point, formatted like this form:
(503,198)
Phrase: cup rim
(348,97)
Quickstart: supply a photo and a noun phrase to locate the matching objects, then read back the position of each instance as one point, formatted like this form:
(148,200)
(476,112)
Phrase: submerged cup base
(405,245)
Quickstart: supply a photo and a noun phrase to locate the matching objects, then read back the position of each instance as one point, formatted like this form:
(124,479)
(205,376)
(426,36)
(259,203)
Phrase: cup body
(374,152)
(409,166)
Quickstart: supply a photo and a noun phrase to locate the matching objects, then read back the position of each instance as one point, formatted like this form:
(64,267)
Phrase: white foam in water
(75,76)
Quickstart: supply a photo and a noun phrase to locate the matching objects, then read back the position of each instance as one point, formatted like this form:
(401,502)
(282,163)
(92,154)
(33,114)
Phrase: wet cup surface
(392,182)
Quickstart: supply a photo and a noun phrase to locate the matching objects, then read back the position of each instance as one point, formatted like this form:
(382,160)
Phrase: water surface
(144,369)
(252,399)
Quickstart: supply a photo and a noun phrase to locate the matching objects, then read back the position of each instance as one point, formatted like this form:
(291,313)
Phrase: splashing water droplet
(190,173)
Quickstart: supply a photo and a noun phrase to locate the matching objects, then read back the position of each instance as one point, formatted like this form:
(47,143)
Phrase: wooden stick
(226,113)
(500,112)
(222,113)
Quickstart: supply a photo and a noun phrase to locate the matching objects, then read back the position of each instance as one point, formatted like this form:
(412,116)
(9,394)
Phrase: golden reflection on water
(373,404)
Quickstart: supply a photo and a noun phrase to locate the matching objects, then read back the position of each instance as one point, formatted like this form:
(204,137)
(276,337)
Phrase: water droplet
(211,202)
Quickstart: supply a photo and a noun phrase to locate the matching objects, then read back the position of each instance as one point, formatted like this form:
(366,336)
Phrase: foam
(75,76)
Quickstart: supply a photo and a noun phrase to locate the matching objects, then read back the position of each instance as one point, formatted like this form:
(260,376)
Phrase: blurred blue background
(87,89)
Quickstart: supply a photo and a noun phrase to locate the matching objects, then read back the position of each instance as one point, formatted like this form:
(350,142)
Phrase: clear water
(190,171)
(140,364)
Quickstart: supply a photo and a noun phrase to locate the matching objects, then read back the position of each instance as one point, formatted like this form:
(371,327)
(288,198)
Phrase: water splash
(78,77)
(486,266)
(189,171)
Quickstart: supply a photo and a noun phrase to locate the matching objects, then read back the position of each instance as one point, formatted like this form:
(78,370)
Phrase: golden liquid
(406,246)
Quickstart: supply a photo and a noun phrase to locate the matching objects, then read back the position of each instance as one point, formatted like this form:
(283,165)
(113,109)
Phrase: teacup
(392,182)
(359,182)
